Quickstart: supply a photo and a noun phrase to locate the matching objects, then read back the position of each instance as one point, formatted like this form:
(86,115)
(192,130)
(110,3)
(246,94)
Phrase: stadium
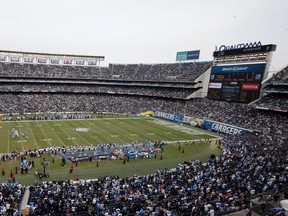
(143,108)
(185,138)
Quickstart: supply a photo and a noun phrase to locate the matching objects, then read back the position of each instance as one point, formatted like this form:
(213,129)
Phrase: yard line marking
(133,134)
(116,133)
(78,134)
(19,141)
(123,134)
(100,134)
(33,136)
(114,136)
(55,134)
(21,136)
(69,137)
(45,140)
(45,135)
(8,150)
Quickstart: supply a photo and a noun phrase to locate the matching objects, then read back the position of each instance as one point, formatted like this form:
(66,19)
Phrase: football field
(42,134)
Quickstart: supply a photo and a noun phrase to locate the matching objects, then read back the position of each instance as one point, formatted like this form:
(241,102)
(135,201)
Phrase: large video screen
(236,83)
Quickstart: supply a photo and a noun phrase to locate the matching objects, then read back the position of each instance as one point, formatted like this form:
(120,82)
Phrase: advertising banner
(179,118)
(181,56)
(187,55)
(193,121)
(164,115)
(250,86)
(224,128)
(214,126)
(193,54)
(246,68)
(215,85)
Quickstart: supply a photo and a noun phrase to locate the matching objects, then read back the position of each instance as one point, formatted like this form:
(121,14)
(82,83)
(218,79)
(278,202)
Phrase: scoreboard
(236,83)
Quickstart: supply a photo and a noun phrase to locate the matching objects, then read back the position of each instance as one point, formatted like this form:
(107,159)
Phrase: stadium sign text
(251,86)
(235,68)
(225,129)
(240,46)
(221,128)
(165,115)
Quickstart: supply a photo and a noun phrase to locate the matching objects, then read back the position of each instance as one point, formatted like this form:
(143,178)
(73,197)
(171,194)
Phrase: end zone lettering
(225,129)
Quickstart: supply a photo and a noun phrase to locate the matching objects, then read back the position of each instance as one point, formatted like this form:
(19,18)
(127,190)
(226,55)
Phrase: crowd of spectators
(11,195)
(249,165)
(49,71)
(158,72)
(274,101)
(169,72)
(280,77)
(276,89)
(275,94)
(48,102)
(169,92)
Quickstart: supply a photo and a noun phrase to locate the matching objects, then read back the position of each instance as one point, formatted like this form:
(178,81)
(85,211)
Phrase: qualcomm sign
(240,46)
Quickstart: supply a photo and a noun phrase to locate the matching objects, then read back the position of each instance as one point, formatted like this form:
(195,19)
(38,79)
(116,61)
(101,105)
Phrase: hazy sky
(142,31)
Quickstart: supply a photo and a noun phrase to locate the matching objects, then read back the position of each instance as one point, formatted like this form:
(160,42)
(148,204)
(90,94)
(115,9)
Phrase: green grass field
(42,134)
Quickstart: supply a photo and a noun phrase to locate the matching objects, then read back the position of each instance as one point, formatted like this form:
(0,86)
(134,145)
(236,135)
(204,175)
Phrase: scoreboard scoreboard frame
(236,83)
(238,72)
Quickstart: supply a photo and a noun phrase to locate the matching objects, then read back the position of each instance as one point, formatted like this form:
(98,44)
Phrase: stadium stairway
(24,200)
